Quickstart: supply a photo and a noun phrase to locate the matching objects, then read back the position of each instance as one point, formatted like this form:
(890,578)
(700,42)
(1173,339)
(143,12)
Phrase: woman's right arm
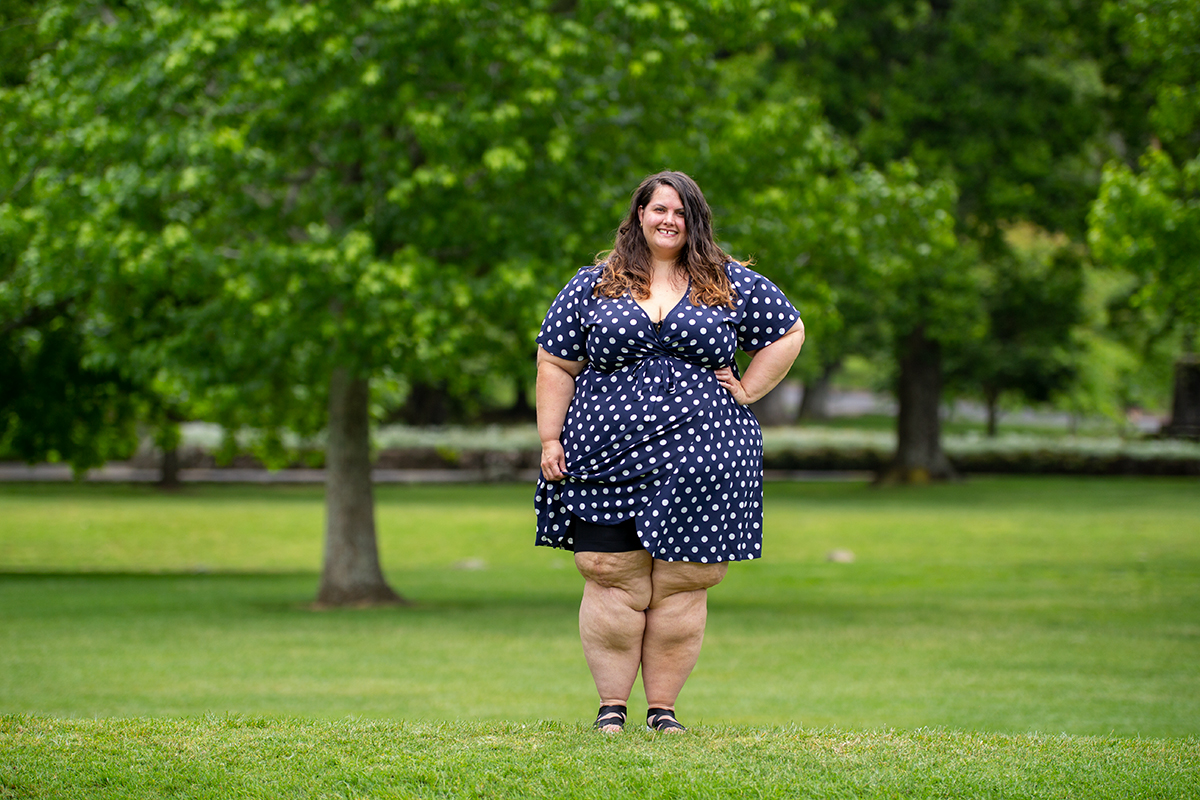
(555,388)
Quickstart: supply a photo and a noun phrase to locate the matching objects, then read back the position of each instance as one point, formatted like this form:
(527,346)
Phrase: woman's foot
(610,719)
(663,720)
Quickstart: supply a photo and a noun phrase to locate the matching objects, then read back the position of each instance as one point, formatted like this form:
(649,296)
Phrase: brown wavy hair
(628,266)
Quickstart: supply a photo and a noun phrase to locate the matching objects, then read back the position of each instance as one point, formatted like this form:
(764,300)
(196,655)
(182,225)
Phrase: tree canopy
(266,205)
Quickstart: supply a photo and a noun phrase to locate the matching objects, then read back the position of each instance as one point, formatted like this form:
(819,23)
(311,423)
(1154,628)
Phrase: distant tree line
(309,217)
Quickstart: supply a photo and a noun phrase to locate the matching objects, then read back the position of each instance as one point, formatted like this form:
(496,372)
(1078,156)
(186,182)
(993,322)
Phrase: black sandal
(662,719)
(610,715)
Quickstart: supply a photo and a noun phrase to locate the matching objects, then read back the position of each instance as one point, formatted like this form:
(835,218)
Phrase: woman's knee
(626,573)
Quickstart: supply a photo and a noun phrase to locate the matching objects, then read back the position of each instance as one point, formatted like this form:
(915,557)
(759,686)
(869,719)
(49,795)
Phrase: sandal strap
(610,715)
(662,719)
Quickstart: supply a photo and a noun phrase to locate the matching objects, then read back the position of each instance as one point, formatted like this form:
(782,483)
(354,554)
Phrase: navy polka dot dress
(650,434)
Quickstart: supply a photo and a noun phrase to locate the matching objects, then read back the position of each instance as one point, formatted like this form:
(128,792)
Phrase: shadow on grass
(292,591)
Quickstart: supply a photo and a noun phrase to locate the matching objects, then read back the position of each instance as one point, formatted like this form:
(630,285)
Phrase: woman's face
(662,223)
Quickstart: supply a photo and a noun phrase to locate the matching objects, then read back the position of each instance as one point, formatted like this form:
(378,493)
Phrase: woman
(651,464)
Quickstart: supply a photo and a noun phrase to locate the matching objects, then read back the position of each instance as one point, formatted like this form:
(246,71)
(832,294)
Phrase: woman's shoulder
(581,287)
(741,276)
(586,276)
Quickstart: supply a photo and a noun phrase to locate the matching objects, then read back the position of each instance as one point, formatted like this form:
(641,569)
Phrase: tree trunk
(1185,402)
(168,439)
(992,398)
(919,456)
(351,575)
(168,475)
(815,403)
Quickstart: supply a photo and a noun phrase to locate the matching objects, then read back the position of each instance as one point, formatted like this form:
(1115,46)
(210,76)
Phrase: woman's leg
(612,619)
(675,623)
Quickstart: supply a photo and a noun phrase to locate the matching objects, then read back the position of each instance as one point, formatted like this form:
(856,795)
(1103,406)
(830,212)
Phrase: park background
(322,235)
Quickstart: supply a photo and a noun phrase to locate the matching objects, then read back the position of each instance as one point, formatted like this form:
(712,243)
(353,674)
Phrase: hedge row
(512,452)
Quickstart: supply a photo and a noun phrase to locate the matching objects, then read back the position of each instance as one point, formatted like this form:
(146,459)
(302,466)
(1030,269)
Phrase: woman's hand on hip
(554,461)
(727,379)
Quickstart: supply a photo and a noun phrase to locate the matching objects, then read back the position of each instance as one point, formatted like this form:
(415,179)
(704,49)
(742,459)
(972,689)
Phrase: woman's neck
(666,271)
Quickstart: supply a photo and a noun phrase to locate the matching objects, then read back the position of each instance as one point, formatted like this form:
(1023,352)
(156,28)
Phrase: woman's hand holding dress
(554,461)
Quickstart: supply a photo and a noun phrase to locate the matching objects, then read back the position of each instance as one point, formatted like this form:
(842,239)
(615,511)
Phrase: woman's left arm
(768,366)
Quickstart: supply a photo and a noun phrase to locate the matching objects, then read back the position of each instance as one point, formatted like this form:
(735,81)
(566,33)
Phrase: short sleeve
(763,314)
(563,333)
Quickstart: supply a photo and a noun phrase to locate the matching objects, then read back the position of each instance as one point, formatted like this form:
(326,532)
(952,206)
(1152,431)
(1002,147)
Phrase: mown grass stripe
(220,757)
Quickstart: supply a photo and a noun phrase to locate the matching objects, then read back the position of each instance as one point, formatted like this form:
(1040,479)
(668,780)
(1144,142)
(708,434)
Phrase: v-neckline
(658,325)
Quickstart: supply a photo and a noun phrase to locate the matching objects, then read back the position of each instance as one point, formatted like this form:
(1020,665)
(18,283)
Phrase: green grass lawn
(252,757)
(1048,605)
(990,617)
